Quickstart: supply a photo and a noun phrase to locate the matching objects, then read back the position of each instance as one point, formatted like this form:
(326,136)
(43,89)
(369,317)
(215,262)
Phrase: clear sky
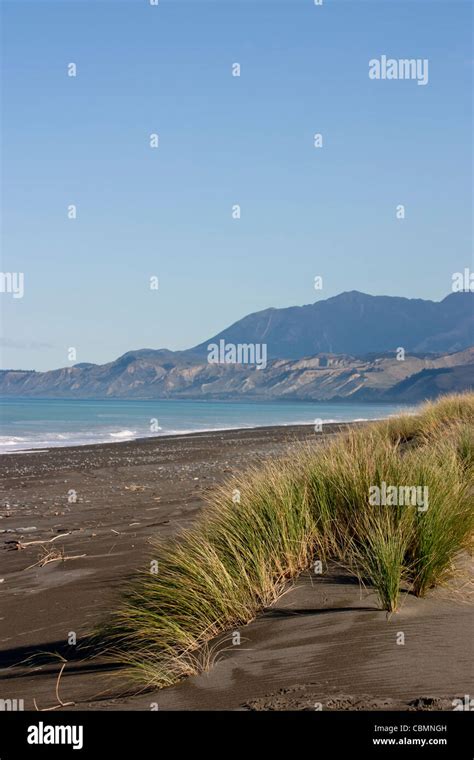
(223,140)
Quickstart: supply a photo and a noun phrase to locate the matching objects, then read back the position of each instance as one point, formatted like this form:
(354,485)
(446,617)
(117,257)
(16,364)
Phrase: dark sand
(324,644)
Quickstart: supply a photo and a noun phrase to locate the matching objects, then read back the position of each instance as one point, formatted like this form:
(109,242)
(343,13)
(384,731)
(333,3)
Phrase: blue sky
(224,140)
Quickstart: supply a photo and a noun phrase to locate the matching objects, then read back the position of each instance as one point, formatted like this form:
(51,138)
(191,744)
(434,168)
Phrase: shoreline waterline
(44,424)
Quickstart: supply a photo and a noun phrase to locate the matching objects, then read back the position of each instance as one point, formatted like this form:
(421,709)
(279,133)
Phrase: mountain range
(346,347)
(357,324)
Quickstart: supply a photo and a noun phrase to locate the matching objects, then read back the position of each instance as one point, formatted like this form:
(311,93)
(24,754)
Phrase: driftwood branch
(24,544)
(60,702)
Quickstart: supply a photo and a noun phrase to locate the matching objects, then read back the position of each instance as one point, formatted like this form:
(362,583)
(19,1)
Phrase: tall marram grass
(243,552)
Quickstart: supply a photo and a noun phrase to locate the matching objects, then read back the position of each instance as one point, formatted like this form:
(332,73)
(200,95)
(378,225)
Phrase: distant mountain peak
(356,323)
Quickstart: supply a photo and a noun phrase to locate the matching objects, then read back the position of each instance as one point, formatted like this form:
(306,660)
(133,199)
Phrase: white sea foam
(124,434)
(54,424)
(11,440)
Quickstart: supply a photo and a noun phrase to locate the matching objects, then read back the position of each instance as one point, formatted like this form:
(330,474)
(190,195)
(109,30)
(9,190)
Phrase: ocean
(45,423)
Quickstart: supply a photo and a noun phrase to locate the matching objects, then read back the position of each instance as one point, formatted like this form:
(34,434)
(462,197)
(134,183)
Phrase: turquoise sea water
(45,423)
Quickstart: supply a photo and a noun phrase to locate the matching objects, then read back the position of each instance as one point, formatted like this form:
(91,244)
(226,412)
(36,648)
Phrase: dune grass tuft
(262,529)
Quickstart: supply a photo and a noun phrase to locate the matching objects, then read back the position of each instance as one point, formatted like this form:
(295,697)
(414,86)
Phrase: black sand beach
(324,642)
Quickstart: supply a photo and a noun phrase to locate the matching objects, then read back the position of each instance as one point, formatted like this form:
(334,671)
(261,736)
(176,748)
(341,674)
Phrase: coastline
(141,439)
(294,430)
(329,639)
(88,423)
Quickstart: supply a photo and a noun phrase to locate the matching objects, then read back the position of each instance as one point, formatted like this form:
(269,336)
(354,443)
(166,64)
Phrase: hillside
(341,348)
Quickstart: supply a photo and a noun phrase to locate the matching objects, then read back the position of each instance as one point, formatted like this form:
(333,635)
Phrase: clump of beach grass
(219,574)
(446,527)
(260,530)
